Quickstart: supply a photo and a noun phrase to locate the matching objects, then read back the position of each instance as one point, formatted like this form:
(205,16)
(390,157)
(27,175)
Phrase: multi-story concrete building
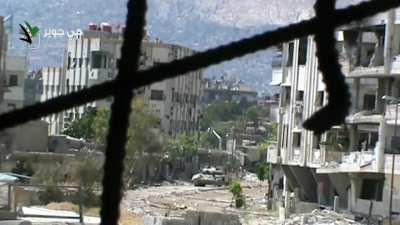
(94,59)
(15,74)
(354,160)
(3,50)
(90,60)
(33,88)
(53,80)
(227,90)
(175,101)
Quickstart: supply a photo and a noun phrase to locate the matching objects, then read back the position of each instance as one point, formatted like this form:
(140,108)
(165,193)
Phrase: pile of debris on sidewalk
(320,217)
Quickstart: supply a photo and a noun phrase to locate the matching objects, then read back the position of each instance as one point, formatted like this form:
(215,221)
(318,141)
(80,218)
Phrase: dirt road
(175,199)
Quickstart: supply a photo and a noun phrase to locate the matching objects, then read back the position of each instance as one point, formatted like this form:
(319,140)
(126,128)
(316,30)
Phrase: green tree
(181,145)
(100,125)
(82,127)
(262,171)
(208,140)
(254,113)
(88,174)
(273,134)
(220,111)
(144,141)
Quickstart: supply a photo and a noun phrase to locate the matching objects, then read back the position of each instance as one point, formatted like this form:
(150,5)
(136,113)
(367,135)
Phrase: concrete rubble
(320,217)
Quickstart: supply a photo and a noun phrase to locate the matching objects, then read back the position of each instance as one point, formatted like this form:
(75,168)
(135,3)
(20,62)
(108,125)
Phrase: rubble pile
(320,217)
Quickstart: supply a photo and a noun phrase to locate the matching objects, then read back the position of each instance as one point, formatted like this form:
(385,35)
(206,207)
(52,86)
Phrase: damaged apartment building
(352,161)
(93,59)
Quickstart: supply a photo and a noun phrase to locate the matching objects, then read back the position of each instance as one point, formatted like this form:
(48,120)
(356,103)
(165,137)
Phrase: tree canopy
(82,127)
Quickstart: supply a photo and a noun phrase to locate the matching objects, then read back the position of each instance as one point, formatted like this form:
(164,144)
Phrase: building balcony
(317,158)
(364,117)
(323,156)
(365,72)
(363,161)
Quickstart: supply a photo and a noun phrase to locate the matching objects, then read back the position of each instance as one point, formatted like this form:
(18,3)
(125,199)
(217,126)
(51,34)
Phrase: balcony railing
(368,71)
(323,156)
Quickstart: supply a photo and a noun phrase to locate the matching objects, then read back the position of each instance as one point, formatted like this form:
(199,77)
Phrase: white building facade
(94,58)
(353,160)
(53,79)
(15,74)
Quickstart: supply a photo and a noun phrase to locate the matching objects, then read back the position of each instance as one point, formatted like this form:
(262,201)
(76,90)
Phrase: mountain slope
(199,24)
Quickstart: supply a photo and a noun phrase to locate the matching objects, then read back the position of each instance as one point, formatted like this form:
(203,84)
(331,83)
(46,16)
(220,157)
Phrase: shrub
(237,192)
(51,194)
(262,171)
(87,174)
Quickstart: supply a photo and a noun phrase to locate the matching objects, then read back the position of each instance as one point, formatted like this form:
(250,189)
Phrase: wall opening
(372,189)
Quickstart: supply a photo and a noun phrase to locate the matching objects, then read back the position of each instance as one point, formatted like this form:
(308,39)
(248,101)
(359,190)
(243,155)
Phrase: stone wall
(195,218)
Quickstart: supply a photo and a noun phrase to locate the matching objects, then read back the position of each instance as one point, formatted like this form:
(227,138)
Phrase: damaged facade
(354,160)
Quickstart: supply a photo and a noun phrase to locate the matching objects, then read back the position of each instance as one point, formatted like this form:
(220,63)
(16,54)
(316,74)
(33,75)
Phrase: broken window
(369,102)
(69,62)
(320,99)
(98,60)
(289,61)
(157,95)
(13,80)
(300,96)
(351,40)
(365,47)
(316,141)
(372,189)
(297,140)
(367,141)
(303,51)
(287,95)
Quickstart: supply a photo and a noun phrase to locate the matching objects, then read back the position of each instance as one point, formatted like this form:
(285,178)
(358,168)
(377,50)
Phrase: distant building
(53,80)
(30,136)
(33,88)
(271,104)
(175,101)
(94,58)
(15,73)
(225,90)
(3,50)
